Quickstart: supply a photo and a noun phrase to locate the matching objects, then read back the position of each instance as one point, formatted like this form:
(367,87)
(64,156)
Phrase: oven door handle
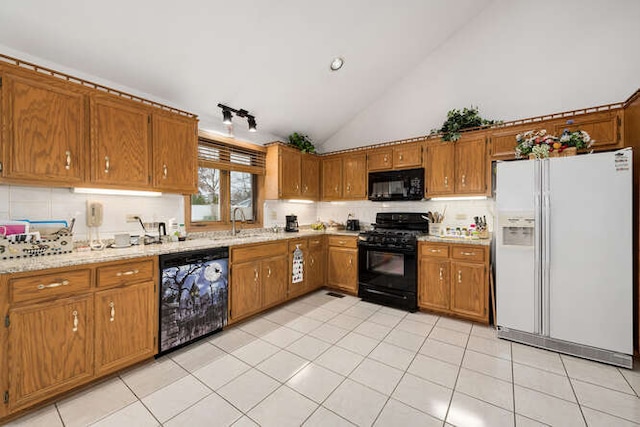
(383,249)
(374,291)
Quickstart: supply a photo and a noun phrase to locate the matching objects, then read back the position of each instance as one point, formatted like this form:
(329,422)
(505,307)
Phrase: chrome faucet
(233,220)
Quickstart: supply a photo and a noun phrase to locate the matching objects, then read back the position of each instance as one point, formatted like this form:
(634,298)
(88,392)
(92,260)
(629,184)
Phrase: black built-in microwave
(397,185)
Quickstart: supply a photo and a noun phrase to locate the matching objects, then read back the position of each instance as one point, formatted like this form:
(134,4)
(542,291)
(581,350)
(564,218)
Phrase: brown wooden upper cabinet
(402,156)
(44,132)
(503,140)
(120,143)
(291,174)
(344,176)
(458,168)
(175,148)
(605,128)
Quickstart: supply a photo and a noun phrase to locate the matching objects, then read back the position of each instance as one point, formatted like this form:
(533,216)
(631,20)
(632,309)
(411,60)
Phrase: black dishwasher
(193,296)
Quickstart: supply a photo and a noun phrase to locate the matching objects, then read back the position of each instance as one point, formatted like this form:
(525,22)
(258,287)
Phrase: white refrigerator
(564,254)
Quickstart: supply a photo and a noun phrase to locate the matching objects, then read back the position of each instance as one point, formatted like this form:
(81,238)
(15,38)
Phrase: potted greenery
(301,142)
(459,120)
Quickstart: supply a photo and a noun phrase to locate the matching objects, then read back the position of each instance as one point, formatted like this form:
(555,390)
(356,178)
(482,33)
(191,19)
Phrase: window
(229,179)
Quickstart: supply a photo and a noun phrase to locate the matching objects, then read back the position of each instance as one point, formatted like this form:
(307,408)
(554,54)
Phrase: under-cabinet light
(445,199)
(299,201)
(113,192)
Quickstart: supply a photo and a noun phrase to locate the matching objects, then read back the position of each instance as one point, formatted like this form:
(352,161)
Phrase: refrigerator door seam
(546,249)
(537,320)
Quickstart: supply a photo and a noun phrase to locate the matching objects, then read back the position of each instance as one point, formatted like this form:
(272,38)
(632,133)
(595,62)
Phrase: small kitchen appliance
(387,259)
(291,224)
(353,224)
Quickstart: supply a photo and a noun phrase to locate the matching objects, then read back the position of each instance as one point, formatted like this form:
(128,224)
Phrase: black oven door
(388,276)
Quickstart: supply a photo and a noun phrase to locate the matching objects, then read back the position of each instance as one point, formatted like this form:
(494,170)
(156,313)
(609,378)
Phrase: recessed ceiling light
(337,63)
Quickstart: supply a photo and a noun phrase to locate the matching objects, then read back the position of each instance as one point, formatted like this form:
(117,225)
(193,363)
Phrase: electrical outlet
(461,217)
(131,217)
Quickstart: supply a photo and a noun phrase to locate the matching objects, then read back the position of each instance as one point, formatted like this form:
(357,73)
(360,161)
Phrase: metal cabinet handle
(386,159)
(113,311)
(435,250)
(127,273)
(53,285)
(312,261)
(341,242)
(464,180)
(349,187)
(446,181)
(306,188)
(350,261)
(400,157)
(268,271)
(255,274)
(441,272)
(165,171)
(459,276)
(67,165)
(297,187)
(75,321)
(468,253)
(336,189)
(107,164)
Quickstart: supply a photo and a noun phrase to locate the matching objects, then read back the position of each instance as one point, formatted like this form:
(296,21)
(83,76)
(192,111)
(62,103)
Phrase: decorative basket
(53,245)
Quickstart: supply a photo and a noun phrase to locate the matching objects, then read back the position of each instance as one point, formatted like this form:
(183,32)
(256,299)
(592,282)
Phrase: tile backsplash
(44,203)
(459,213)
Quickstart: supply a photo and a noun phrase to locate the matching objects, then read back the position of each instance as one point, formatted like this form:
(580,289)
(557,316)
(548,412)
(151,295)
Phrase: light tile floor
(326,361)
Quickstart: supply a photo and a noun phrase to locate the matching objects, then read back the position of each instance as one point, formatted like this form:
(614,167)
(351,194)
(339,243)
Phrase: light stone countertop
(456,240)
(109,254)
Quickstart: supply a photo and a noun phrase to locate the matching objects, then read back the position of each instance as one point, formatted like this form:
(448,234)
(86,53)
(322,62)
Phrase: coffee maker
(291,223)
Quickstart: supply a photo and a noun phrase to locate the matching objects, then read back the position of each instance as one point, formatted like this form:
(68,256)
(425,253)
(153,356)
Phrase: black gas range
(387,255)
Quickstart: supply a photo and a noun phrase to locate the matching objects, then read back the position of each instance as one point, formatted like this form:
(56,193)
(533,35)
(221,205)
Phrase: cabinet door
(332,178)
(407,156)
(469,289)
(315,266)
(379,160)
(471,163)
(355,176)
(51,349)
(120,143)
(175,152)
(125,326)
(274,280)
(503,140)
(343,269)
(310,175)
(245,290)
(433,286)
(439,169)
(45,132)
(289,163)
(605,128)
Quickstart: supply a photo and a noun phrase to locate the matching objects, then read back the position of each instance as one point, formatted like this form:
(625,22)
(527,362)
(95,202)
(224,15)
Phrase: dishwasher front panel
(193,296)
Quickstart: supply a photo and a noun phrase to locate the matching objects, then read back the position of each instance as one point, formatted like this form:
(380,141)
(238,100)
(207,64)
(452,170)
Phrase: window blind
(218,155)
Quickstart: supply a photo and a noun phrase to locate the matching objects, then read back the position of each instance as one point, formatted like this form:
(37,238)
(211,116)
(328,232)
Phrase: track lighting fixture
(226,116)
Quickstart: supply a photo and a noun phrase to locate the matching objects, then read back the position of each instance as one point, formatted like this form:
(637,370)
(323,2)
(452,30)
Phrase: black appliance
(397,185)
(291,223)
(193,296)
(387,258)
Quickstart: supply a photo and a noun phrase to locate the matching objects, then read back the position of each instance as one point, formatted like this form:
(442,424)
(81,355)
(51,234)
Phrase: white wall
(517,59)
(43,203)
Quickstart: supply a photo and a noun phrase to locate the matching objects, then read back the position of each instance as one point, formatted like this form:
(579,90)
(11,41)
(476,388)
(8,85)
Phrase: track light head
(252,123)
(226,116)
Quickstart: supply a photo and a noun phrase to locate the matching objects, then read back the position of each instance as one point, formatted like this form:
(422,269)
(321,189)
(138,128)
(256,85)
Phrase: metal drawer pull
(400,156)
(75,321)
(468,253)
(53,285)
(67,166)
(341,242)
(107,164)
(441,273)
(436,250)
(459,276)
(113,311)
(127,273)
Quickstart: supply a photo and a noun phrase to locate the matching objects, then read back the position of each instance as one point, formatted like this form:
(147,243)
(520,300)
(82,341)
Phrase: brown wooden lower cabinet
(342,263)
(453,279)
(65,328)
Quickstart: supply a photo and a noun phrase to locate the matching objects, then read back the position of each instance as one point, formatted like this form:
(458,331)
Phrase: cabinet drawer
(302,242)
(343,241)
(315,242)
(254,252)
(49,285)
(469,253)
(434,250)
(127,272)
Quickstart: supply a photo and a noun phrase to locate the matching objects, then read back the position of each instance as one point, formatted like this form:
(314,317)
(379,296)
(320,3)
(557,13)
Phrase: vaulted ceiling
(269,57)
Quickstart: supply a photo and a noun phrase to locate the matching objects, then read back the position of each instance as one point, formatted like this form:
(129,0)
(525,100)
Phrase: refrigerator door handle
(537,250)
(546,249)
